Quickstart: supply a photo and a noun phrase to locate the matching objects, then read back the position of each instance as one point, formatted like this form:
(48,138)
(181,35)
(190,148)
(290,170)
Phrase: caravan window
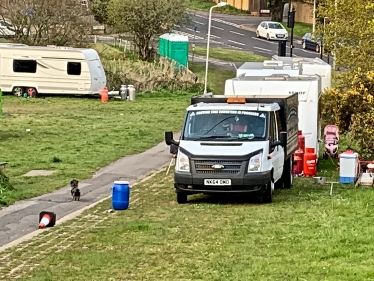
(28,66)
(74,68)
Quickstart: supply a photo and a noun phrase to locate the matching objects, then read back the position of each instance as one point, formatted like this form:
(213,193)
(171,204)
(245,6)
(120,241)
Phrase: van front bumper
(253,183)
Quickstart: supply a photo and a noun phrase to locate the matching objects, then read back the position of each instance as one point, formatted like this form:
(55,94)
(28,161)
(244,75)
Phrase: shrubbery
(350,105)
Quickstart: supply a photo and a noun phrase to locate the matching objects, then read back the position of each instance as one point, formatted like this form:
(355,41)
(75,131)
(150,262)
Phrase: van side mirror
(169,139)
(283,138)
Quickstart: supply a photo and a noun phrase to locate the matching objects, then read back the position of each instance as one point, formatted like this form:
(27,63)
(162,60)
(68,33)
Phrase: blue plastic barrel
(120,195)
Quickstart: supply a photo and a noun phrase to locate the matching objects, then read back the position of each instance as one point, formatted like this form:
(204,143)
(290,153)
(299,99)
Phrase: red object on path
(298,162)
(47,219)
(301,141)
(310,162)
(104,94)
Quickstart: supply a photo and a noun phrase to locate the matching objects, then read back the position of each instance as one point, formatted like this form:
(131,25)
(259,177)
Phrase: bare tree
(41,22)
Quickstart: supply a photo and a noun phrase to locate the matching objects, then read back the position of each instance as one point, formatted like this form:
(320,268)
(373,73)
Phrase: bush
(5,184)
(350,106)
(146,76)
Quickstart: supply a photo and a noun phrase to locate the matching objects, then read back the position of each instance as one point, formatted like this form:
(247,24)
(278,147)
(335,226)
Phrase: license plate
(280,36)
(217,182)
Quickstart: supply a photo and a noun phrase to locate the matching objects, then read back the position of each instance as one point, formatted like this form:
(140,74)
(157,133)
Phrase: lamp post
(314,16)
(220,4)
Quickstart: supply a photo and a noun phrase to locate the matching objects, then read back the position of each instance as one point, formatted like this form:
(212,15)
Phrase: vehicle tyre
(287,176)
(304,45)
(318,48)
(267,197)
(267,37)
(257,34)
(18,91)
(181,198)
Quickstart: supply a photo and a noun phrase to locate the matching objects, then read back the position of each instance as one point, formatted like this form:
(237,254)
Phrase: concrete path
(22,218)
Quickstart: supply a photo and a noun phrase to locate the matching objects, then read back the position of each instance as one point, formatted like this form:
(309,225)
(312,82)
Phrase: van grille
(205,166)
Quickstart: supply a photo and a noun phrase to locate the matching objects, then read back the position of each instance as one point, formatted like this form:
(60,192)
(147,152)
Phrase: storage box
(348,167)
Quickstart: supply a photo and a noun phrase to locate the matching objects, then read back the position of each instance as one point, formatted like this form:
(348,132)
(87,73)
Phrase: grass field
(227,54)
(305,234)
(76,136)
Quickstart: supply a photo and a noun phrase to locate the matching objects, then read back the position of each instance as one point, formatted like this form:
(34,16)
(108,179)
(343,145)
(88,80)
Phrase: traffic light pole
(291,24)
(291,45)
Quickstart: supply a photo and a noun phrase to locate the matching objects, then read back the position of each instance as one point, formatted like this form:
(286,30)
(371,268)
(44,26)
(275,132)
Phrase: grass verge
(299,29)
(323,236)
(228,54)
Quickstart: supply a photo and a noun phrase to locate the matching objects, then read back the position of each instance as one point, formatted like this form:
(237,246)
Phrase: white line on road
(211,35)
(217,27)
(199,22)
(235,47)
(189,35)
(266,50)
(241,34)
(236,42)
(262,40)
(190,29)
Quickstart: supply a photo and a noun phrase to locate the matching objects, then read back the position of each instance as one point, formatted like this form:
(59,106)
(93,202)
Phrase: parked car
(8,30)
(310,42)
(271,30)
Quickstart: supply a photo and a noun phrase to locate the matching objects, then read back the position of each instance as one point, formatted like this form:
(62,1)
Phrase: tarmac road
(238,32)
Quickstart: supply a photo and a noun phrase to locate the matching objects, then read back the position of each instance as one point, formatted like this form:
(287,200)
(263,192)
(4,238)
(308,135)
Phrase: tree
(42,22)
(146,20)
(100,10)
(348,33)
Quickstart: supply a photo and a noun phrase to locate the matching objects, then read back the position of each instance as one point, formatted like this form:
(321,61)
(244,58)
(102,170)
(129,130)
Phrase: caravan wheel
(17,91)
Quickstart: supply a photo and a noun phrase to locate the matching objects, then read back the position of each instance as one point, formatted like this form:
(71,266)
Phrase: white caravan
(308,88)
(290,66)
(50,70)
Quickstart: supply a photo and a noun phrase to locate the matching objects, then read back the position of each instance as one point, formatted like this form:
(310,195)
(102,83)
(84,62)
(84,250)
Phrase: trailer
(290,66)
(50,70)
(308,88)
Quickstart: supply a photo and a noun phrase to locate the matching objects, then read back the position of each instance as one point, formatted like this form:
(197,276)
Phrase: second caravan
(50,70)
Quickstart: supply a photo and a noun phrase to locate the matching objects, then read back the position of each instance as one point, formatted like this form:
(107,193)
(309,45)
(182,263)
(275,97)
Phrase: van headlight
(254,164)
(183,163)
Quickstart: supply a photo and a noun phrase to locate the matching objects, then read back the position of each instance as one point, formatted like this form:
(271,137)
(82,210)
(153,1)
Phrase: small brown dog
(75,192)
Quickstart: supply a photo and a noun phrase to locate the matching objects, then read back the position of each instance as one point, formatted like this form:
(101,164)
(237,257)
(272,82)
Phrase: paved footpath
(21,219)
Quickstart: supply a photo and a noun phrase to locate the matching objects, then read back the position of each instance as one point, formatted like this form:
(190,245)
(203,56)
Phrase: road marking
(214,36)
(217,27)
(199,22)
(236,42)
(262,40)
(188,34)
(226,22)
(235,47)
(241,34)
(266,50)
(190,29)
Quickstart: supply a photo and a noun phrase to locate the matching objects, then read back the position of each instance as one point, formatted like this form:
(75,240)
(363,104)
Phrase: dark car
(310,42)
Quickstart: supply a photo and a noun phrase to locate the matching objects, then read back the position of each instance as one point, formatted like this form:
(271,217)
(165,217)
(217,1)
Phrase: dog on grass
(75,192)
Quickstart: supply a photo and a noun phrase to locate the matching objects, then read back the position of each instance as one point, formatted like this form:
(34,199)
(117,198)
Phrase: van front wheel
(181,198)
(17,91)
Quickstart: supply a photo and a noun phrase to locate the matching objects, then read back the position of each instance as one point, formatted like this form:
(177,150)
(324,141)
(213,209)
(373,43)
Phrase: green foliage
(5,184)
(100,10)
(351,107)
(146,20)
(349,32)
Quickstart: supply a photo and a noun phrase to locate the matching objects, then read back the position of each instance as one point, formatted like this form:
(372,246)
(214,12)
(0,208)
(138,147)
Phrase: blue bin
(120,195)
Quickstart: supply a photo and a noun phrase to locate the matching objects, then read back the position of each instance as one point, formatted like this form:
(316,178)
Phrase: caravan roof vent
(51,46)
(64,48)
(273,63)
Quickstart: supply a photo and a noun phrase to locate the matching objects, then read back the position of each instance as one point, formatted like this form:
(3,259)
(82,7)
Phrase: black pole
(291,45)
(321,49)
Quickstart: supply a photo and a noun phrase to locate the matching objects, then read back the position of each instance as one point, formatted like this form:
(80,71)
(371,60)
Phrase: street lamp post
(314,16)
(220,4)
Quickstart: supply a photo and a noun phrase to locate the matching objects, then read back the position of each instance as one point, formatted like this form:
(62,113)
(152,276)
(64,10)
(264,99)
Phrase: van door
(277,153)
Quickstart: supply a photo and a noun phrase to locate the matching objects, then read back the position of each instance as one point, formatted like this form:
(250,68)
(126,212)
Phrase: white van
(50,70)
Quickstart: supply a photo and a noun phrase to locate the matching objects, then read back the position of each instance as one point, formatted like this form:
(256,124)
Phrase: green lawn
(206,5)
(305,234)
(228,54)
(76,136)
(299,29)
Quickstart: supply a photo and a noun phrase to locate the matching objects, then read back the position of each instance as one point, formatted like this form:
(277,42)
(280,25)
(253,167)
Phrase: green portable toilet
(163,44)
(178,49)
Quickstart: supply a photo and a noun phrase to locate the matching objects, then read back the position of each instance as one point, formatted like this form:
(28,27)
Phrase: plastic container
(120,195)
(348,167)
(310,162)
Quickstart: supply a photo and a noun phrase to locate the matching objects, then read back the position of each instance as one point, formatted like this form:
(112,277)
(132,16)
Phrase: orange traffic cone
(104,94)
(47,219)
